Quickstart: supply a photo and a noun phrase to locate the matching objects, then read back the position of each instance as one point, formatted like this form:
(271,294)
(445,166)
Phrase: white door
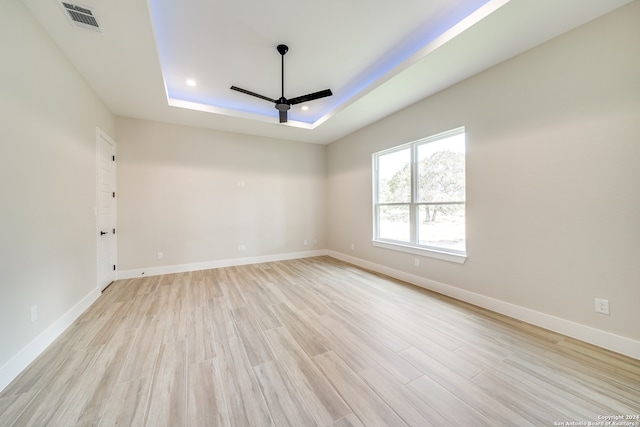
(106,209)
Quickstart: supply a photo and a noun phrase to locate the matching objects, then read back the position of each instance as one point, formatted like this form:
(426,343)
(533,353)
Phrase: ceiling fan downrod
(282,104)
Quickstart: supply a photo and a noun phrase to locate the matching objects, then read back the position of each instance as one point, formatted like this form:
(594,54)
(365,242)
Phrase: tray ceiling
(377,57)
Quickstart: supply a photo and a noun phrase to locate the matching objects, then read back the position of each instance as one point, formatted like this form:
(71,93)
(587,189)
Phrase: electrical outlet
(353,247)
(416,262)
(306,242)
(602,306)
(242,248)
(34,313)
(160,255)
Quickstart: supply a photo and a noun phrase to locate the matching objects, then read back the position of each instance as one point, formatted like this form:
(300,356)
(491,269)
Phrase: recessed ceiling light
(304,107)
(191,82)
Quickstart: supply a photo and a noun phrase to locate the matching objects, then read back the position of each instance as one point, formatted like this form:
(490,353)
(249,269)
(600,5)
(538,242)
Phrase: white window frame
(413,247)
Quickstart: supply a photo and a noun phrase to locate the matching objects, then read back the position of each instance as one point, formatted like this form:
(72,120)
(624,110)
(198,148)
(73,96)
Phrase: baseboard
(10,370)
(182,268)
(607,340)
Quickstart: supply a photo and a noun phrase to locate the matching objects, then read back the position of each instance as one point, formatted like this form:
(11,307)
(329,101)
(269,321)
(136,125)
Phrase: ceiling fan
(283,104)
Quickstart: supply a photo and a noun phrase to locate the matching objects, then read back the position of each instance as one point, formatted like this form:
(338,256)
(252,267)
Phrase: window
(419,196)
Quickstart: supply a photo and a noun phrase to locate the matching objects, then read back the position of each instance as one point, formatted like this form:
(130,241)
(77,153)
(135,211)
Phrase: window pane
(394,223)
(441,226)
(394,177)
(441,170)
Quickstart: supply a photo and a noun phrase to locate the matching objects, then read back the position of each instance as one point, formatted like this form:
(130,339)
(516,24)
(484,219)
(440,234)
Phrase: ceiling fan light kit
(282,104)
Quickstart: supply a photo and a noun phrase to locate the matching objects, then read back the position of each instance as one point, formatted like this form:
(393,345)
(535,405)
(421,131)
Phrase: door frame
(103,136)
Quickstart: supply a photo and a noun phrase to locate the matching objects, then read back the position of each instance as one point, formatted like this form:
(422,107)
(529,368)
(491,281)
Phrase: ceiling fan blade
(248,92)
(283,117)
(310,97)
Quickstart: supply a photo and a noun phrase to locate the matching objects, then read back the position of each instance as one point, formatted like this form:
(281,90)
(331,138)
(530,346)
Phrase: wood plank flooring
(310,342)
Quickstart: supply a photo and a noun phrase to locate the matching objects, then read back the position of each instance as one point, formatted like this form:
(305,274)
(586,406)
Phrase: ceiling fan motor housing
(283,105)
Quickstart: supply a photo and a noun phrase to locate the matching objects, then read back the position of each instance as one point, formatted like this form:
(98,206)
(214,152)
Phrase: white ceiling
(376,56)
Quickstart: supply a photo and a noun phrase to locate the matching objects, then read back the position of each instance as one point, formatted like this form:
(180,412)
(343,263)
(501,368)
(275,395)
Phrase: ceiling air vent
(81,16)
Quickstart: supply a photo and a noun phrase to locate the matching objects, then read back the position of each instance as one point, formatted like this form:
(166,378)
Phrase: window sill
(430,253)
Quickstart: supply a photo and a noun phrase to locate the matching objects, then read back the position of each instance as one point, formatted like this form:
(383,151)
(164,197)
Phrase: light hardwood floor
(310,342)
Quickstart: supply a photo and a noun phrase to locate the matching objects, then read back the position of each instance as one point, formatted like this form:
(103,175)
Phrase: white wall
(553,179)
(48,119)
(179,194)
